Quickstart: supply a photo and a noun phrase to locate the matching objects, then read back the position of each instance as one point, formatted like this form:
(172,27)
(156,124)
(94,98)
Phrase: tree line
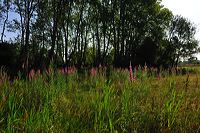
(86,33)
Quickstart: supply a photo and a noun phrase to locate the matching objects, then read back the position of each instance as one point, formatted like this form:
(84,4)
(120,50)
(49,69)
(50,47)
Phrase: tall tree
(182,39)
(4,9)
(26,10)
(75,32)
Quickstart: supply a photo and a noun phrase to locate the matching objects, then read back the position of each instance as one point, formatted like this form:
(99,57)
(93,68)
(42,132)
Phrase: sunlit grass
(91,103)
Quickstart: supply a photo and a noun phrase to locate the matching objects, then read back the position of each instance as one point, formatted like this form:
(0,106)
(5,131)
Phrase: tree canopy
(85,33)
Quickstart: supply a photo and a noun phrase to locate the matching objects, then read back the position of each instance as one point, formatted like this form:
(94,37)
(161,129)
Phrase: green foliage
(171,108)
(85,103)
(182,41)
(89,33)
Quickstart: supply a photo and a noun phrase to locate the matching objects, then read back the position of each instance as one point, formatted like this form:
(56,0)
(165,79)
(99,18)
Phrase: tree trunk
(56,7)
(77,31)
(5,21)
(98,44)
(66,34)
(122,20)
(85,46)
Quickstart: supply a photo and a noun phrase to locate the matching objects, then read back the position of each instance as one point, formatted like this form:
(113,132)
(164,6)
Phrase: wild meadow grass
(100,102)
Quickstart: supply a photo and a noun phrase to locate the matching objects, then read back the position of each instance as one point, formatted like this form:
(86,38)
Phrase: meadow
(101,100)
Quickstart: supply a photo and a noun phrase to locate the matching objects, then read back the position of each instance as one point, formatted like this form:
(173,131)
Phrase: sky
(186,8)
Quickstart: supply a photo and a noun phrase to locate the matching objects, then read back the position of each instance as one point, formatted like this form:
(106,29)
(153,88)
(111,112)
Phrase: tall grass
(81,102)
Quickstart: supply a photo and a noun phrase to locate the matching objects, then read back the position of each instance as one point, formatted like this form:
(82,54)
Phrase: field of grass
(191,68)
(104,101)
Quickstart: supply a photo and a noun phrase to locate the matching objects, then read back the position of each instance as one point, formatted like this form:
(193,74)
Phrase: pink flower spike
(130,72)
(65,70)
(135,73)
(93,72)
(70,70)
(31,74)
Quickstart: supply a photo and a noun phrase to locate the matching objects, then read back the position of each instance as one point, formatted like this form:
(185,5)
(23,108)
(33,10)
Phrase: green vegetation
(87,33)
(84,102)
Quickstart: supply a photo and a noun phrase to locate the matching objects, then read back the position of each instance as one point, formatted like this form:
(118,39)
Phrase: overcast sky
(187,8)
